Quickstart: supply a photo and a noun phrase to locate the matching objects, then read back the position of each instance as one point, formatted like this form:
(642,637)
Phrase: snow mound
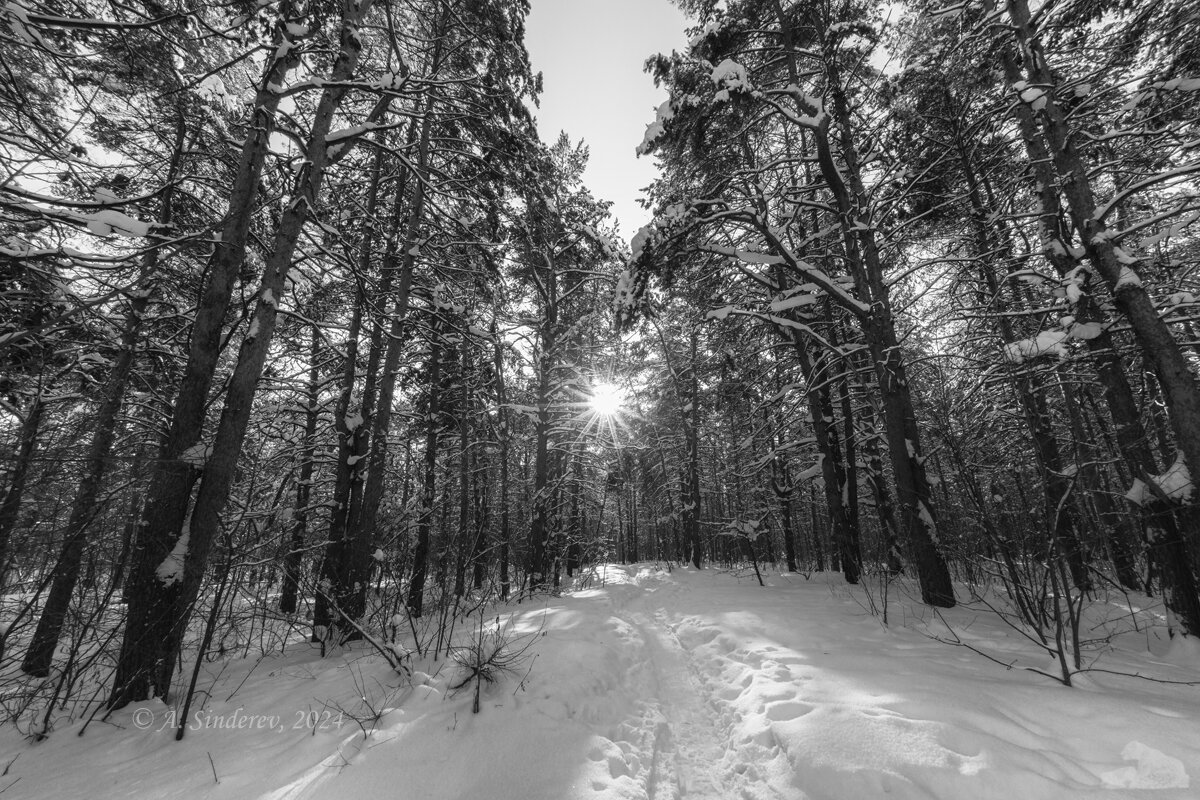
(1155,770)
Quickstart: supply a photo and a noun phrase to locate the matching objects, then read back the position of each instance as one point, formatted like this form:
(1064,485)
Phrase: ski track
(688,750)
(681,743)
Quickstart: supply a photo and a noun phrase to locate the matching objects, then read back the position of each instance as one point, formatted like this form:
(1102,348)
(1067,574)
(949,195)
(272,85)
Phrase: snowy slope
(648,684)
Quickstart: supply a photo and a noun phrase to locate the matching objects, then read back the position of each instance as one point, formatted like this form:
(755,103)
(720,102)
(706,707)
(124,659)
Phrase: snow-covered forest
(348,444)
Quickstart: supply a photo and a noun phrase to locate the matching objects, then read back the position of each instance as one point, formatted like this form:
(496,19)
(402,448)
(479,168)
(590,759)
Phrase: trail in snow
(688,743)
(686,723)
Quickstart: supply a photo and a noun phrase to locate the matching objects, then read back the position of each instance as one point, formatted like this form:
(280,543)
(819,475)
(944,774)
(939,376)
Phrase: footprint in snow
(787,711)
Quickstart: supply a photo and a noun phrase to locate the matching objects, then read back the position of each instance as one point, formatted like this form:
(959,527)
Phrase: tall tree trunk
(852,546)
(539,529)
(815,526)
(365,523)
(781,485)
(1050,157)
(691,423)
(420,568)
(505,435)
(142,663)
(917,519)
(480,514)
(1119,526)
(163,590)
(833,468)
(10,506)
(1060,509)
(294,559)
(575,524)
(83,507)
(352,425)
(547,356)
(464,472)
(883,500)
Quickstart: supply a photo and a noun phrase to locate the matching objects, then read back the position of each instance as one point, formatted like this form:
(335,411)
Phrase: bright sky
(591,54)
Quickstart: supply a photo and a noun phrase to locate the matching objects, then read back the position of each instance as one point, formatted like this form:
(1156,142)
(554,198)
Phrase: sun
(606,399)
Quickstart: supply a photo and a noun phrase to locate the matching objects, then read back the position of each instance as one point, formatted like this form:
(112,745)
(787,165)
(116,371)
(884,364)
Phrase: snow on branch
(1045,343)
(655,130)
(732,78)
(1174,484)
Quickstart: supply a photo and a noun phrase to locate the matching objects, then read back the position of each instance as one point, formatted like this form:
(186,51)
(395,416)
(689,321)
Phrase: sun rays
(603,412)
(606,399)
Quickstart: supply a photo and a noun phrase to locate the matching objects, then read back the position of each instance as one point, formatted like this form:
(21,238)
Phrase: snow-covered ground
(641,683)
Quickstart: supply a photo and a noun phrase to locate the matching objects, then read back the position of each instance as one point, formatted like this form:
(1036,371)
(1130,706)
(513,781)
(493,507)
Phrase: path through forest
(688,744)
(644,684)
(679,722)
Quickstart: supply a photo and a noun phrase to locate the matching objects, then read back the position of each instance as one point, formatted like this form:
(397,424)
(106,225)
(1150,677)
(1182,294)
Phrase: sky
(591,54)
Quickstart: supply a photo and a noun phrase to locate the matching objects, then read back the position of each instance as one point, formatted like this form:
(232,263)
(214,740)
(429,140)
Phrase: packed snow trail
(677,724)
(684,723)
(644,684)
(687,743)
